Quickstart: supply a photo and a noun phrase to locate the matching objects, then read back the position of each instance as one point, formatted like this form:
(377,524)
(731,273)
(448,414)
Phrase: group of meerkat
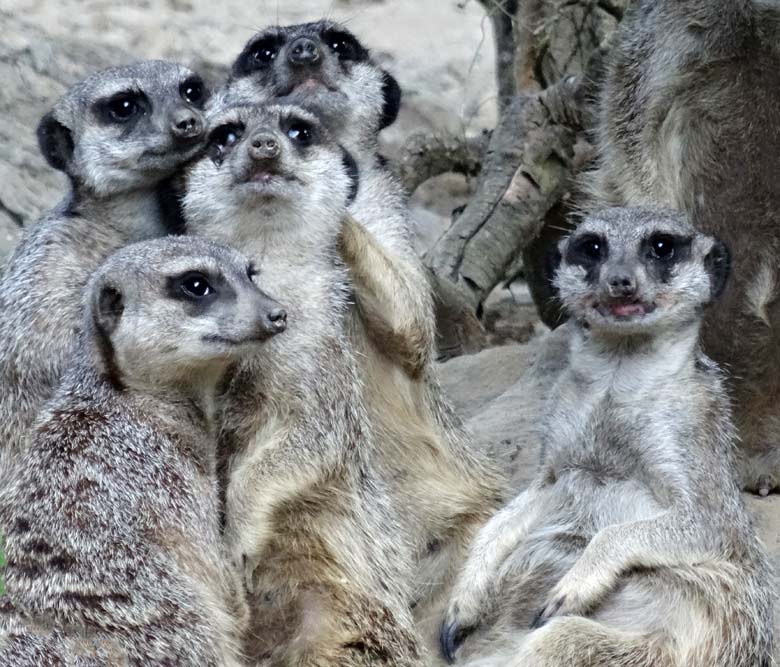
(222,440)
(194,471)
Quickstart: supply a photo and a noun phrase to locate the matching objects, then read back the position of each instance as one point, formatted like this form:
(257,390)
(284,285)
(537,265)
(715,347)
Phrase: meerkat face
(635,270)
(170,308)
(126,127)
(320,66)
(276,162)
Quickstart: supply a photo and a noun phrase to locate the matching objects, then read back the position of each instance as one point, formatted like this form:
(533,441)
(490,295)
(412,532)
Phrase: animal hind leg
(574,641)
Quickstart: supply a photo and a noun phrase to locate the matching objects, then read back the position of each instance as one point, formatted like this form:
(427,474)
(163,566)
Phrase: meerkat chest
(629,423)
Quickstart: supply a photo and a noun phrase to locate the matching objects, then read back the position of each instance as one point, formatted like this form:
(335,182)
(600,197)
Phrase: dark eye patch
(258,55)
(344,45)
(196,290)
(302,133)
(123,107)
(193,91)
(588,251)
(663,251)
(222,139)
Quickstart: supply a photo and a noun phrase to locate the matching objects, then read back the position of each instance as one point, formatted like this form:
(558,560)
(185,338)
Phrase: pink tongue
(627,309)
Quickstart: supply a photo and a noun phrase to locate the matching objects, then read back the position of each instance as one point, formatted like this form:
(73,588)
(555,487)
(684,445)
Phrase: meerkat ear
(107,310)
(55,141)
(350,166)
(718,265)
(391,92)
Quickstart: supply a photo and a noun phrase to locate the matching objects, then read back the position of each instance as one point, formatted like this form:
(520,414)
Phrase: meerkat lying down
(111,524)
(632,547)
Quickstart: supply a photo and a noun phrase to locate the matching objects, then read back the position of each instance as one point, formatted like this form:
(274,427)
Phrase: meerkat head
(639,270)
(267,167)
(323,67)
(125,128)
(168,309)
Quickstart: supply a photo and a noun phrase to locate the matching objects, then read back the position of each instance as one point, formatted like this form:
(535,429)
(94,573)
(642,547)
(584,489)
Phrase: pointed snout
(186,124)
(271,317)
(304,52)
(264,145)
(621,281)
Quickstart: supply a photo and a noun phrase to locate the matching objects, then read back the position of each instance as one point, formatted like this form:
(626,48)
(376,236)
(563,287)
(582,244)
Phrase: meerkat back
(117,135)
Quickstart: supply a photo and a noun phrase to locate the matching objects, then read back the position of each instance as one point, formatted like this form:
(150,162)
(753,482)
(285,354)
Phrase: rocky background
(442,53)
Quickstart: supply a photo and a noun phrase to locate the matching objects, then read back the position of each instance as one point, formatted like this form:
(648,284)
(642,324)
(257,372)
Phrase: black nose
(264,146)
(304,52)
(186,124)
(278,319)
(621,284)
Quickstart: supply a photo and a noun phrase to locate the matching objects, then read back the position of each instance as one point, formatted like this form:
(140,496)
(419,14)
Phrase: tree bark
(524,172)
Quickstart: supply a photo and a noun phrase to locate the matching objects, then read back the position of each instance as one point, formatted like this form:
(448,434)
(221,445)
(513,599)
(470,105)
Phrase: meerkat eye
(223,138)
(662,246)
(226,135)
(251,271)
(123,107)
(195,286)
(300,132)
(192,91)
(265,51)
(592,247)
(344,45)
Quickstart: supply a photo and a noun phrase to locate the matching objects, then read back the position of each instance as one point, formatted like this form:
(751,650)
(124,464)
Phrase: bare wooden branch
(425,156)
(503,15)
(523,175)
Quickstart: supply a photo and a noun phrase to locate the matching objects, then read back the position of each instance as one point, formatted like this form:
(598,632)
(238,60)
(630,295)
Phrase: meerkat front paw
(760,473)
(469,605)
(578,591)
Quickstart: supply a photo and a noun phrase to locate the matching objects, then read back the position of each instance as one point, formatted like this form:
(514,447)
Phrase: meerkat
(632,547)
(688,119)
(444,486)
(117,135)
(111,525)
(304,512)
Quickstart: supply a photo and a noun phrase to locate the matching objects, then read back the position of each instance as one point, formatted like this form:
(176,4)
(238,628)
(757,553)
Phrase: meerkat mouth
(266,175)
(625,310)
(308,85)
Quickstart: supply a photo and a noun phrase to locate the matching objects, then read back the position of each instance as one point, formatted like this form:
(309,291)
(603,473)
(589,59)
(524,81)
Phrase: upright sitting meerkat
(324,565)
(117,135)
(444,487)
(632,547)
(111,525)
(689,118)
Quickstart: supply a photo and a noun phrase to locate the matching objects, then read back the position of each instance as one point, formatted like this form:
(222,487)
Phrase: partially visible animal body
(689,118)
(325,562)
(443,486)
(117,135)
(632,547)
(113,548)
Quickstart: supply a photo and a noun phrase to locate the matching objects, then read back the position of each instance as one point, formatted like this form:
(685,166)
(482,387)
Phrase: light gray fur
(689,118)
(111,524)
(115,174)
(632,547)
(326,572)
(442,485)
